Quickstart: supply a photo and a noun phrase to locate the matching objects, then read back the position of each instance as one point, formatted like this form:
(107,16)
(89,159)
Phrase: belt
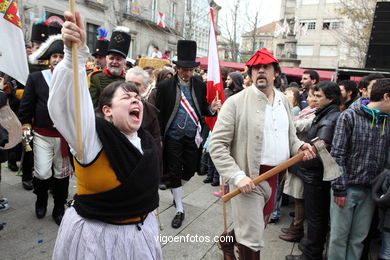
(131,221)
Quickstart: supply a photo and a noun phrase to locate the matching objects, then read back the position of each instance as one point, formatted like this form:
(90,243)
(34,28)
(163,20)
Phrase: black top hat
(120,41)
(186,54)
(54,28)
(101,47)
(39,32)
(53,44)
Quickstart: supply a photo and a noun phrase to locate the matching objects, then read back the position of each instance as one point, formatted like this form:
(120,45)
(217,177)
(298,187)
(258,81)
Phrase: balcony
(139,12)
(97,4)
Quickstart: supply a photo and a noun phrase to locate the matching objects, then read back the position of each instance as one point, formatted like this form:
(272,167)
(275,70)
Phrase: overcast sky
(269,10)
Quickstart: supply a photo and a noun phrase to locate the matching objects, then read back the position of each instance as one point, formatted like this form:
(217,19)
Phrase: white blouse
(61,107)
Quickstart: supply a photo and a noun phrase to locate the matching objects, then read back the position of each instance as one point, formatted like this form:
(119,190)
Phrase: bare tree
(232,27)
(355,31)
(254,24)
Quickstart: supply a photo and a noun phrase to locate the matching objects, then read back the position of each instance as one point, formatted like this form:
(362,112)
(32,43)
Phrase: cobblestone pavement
(26,237)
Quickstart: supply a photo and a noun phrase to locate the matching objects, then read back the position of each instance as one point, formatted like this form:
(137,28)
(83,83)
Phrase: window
(328,50)
(91,35)
(173,14)
(132,47)
(331,25)
(305,50)
(335,25)
(308,25)
(128,6)
(261,45)
(154,10)
(310,2)
(311,25)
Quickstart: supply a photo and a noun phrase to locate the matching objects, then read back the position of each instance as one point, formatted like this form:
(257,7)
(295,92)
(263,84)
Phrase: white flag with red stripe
(160,19)
(214,79)
(13,57)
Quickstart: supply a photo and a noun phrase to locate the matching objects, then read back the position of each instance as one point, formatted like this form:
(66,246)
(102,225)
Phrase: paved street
(26,237)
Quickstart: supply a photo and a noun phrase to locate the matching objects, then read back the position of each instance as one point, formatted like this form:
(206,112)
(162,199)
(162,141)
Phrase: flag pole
(76,84)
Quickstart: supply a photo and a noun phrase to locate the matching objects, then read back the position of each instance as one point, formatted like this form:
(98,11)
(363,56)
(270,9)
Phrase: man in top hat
(182,104)
(254,133)
(115,63)
(100,51)
(50,148)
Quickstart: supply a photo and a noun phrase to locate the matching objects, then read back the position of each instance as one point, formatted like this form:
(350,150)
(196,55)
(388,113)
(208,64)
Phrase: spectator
(349,92)
(293,185)
(362,137)
(365,82)
(162,75)
(293,98)
(309,79)
(234,83)
(247,80)
(156,54)
(166,55)
(316,191)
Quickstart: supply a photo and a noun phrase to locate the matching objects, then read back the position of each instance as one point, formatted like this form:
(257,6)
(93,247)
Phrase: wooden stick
(76,84)
(224,205)
(268,174)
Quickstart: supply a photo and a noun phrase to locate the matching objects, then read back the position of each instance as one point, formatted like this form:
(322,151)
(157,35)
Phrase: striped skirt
(80,238)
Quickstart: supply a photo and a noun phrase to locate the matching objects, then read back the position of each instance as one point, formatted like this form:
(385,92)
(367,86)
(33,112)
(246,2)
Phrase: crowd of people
(143,129)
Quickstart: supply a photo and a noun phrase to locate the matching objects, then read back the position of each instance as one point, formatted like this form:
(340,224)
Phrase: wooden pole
(224,205)
(76,84)
(268,174)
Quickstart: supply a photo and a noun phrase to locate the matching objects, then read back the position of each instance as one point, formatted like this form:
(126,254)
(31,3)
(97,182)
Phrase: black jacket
(322,127)
(34,102)
(168,100)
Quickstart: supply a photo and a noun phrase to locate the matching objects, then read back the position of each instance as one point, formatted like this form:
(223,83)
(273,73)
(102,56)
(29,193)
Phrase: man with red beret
(254,133)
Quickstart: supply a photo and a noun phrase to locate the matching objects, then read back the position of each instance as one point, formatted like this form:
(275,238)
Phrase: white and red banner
(214,78)
(160,19)
(13,57)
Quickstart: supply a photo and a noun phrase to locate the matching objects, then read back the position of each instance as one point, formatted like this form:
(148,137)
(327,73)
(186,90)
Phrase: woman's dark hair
(380,87)
(105,98)
(162,75)
(331,91)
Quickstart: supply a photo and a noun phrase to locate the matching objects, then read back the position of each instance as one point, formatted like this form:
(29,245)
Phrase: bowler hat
(186,54)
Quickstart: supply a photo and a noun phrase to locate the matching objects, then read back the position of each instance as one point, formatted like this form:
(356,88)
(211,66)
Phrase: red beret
(262,56)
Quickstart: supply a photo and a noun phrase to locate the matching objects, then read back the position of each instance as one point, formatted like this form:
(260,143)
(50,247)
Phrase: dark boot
(245,253)
(227,246)
(40,189)
(287,229)
(60,194)
(295,234)
(296,257)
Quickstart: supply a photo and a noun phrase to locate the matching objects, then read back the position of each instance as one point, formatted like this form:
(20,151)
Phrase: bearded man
(115,63)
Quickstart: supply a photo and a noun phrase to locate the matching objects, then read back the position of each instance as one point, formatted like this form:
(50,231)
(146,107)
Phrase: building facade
(263,37)
(151,22)
(308,35)
(197,24)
